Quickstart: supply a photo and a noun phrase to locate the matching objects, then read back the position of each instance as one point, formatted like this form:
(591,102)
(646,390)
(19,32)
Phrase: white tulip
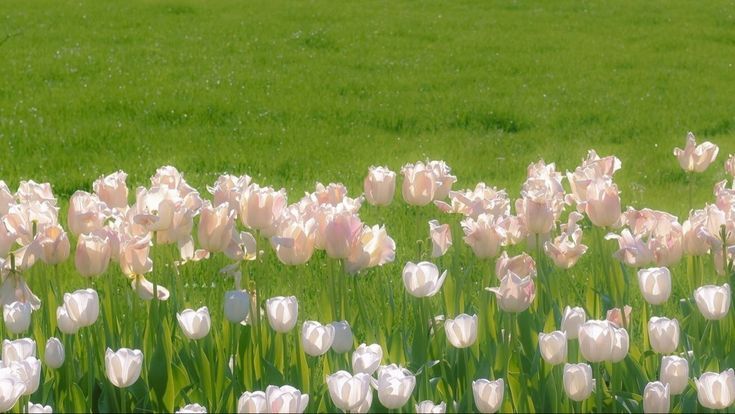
(316,338)
(64,321)
(713,301)
(395,386)
(11,388)
(343,341)
(195,323)
(675,373)
(656,398)
(39,409)
(191,408)
(18,350)
(553,347)
(655,284)
(488,395)
(578,381)
(349,392)
(82,306)
(716,391)
(462,330)
(252,403)
(54,353)
(663,333)
(123,366)
(596,340)
(571,321)
(237,305)
(367,358)
(428,407)
(283,313)
(621,344)
(422,279)
(285,399)
(29,371)
(17,316)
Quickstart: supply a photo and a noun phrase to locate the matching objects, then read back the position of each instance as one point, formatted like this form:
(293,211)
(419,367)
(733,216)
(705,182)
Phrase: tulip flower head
(316,339)
(462,330)
(54,353)
(285,399)
(379,186)
(17,316)
(282,313)
(663,333)
(428,407)
(252,403)
(343,341)
(514,294)
(696,158)
(716,391)
(194,323)
(191,408)
(572,319)
(596,340)
(553,347)
(713,301)
(675,373)
(395,386)
(367,358)
(422,279)
(578,381)
(123,366)
(655,284)
(656,398)
(441,238)
(488,395)
(349,392)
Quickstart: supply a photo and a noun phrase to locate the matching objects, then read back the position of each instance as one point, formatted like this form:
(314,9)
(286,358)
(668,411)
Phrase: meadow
(299,92)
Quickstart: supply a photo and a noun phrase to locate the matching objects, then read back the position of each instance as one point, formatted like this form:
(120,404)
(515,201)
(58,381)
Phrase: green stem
(598,382)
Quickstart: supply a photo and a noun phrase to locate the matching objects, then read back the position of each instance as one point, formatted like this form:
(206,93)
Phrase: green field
(297,92)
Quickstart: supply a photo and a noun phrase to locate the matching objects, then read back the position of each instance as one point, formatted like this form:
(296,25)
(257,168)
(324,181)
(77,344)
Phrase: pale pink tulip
(374,248)
(441,238)
(112,189)
(615,316)
(473,203)
(696,158)
(54,245)
(216,225)
(521,265)
(443,179)
(633,251)
(227,189)
(133,256)
(603,203)
(341,233)
(514,294)
(294,241)
(6,198)
(379,186)
(484,235)
(92,255)
(86,213)
(261,207)
(567,248)
(30,191)
(419,184)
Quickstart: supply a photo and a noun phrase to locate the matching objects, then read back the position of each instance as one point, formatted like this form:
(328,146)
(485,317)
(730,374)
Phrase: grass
(295,92)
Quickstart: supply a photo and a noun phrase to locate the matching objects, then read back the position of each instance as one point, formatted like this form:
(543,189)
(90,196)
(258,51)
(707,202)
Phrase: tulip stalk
(599,383)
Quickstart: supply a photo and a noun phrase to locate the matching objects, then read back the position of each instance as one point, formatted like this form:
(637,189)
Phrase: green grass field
(297,92)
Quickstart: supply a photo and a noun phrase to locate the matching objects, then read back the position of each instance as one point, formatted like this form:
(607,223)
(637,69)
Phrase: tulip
(663,333)
(54,353)
(342,232)
(39,409)
(282,313)
(488,395)
(294,242)
(146,290)
(316,339)
(461,331)
(419,184)
(521,265)
(195,323)
(29,371)
(655,284)
(730,165)
(514,294)
(596,340)
(428,407)
(192,408)
(349,392)
(536,210)
(422,280)
(11,388)
(367,358)
(285,399)
(621,344)
(571,321)
(578,381)
(713,301)
(615,316)
(18,350)
(716,391)
(567,248)
(133,256)
(395,386)
(252,403)
(86,213)
(696,158)
(373,248)
(64,321)
(112,189)
(54,245)
(379,186)
(443,180)
(553,347)
(603,203)
(92,255)
(656,398)
(237,305)
(441,238)
(343,341)
(123,366)
(484,235)
(216,225)
(675,373)
(17,316)
(632,251)
(82,306)
(260,207)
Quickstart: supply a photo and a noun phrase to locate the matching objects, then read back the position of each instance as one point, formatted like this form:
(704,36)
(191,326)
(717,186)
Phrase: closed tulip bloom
(92,255)
(348,392)
(316,338)
(134,256)
(615,316)
(54,245)
(621,345)
(572,319)
(663,333)
(675,373)
(64,321)
(11,388)
(578,381)
(521,265)
(343,341)
(54,353)
(237,305)
(367,358)
(195,323)
(462,330)
(696,158)
(656,398)
(82,306)
(488,394)
(216,225)
(484,235)
(192,408)
(422,280)
(441,238)
(39,409)
(17,316)
(282,313)
(419,184)
(85,213)
(260,207)
(123,366)
(341,234)
(285,399)
(603,203)
(713,301)
(553,347)
(379,186)
(252,403)
(537,213)
(716,391)
(395,386)
(596,340)
(428,407)
(514,294)
(655,284)
(294,242)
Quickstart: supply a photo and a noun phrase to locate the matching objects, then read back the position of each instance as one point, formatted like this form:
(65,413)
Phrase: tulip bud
(655,284)
(17,316)
(343,341)
(285,399)
(123,366)
(461,331)
(553,347)
(514,294)
(54,245)
(252,403)
(663,333)
(82,306)
(571,321)
(216,225)
(54,353)
(422,279)
(282,313)
(195,324)
(316,338)
(191,408)
(716,391)
(578,381)
(349,392)
(428,407)
(379,186)
(18,350)
(596,340)
(488,395)
(696,158)
(237,305)
(112,189)
(395,386)
(656,398)
(675,373)
(621,344)
(441,238)
(713,301)
(367,358)
(92,255)
(39,408)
